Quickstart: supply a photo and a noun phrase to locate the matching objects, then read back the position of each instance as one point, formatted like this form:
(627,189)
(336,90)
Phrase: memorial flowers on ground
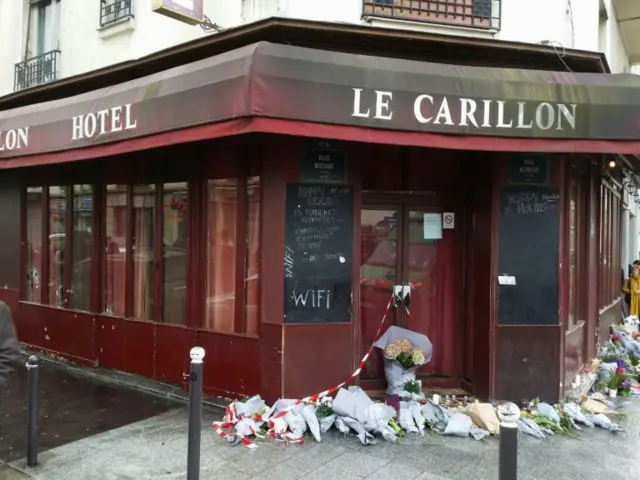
(407,412)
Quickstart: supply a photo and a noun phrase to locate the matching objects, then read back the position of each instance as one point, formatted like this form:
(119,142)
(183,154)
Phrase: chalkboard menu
(529,251)
(318,256)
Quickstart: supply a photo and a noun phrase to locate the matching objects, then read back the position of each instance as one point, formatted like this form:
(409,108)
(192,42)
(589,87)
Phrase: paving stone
(356,464)
(311,457)
(396,471)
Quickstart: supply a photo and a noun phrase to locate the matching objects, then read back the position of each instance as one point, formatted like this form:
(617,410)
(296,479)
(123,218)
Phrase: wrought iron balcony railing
(112,11)
(482,14)
(36,70)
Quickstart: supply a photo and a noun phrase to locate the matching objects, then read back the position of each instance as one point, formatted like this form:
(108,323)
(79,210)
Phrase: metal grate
(112,11)
(36,70)
(484,14)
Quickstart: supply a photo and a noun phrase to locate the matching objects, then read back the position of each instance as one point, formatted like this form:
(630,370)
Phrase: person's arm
(626,288)
(9,347)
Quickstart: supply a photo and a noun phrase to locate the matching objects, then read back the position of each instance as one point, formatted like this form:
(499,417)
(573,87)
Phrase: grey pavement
(156,448)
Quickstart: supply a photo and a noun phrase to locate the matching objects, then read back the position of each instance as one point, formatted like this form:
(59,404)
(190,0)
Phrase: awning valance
(321,88)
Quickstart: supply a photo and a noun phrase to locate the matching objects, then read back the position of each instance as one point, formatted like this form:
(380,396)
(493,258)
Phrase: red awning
(272,88)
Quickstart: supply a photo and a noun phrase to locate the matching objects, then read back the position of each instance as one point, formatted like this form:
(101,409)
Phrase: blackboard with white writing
(318,254)
(529,251)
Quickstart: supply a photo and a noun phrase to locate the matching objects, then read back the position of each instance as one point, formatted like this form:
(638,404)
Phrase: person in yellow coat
(632,288)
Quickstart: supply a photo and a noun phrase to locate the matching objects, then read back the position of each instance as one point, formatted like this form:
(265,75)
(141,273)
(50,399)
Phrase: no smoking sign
(448,220)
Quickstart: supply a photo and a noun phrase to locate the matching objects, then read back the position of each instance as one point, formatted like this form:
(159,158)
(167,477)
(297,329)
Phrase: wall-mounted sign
(324,164)
(448,220)
(432,226)
(187,11)
(528,169)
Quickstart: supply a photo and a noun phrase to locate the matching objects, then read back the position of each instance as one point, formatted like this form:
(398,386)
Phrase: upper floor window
(483,14)
(112,11)
(40,64)
(44,27)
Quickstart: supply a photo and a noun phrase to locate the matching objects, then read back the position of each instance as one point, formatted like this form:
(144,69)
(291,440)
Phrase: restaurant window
(81,247)
(578,238)
(252,265)
(610,268)
(136,240)
(115,247)
(232,253)
(142,251)
(175,234)
(57,233)
(34,254)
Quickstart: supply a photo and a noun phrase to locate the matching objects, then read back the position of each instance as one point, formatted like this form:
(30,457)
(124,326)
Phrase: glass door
(380,240)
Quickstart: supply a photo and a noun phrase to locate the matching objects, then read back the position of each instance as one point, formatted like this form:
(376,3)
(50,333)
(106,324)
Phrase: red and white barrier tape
(230,418)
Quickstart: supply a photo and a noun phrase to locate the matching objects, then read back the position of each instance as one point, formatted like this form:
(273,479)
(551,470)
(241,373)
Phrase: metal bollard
(509,414)
(32,410)
(195,414)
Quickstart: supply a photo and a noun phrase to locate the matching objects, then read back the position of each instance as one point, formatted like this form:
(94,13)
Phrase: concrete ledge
(119,27)
(127,380)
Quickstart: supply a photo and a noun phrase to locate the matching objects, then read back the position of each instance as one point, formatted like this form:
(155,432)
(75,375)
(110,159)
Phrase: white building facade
(45,40)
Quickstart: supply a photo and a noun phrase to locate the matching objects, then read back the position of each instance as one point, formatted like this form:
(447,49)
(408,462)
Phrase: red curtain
(252,277)
(437,296)
(142,251)
(115,248)
(221,255)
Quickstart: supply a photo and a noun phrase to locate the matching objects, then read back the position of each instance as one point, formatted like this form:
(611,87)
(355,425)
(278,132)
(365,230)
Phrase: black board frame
(529,244)
(325,274)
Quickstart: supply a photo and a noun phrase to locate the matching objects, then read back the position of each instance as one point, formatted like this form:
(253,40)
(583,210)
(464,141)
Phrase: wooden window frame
(246,165)
(609,290)
(140,168)
(577,185)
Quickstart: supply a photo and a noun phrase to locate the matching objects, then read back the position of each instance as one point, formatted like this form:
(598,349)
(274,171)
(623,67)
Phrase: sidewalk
(71,408)
(156,448)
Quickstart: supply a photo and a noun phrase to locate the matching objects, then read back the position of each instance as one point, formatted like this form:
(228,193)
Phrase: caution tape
(230,419)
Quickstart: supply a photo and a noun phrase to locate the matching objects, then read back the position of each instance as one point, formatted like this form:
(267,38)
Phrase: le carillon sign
(292,83)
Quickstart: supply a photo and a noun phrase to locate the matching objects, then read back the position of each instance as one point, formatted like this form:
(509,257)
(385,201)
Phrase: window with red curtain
(144,223)
(57,244)
(175,244)
(116,202)
(34,254)
(82,247)
(145,232)
(578,233)
(143,250)
(233,241)
(610,269)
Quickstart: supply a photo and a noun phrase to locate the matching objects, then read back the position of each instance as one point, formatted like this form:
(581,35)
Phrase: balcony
(628,13)
(479,14)
(37,70)
(113,11)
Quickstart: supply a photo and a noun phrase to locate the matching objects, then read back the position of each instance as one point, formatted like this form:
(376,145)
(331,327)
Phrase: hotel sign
(259,85)
(186,11)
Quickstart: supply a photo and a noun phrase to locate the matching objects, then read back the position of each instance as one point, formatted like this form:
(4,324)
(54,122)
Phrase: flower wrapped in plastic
(404,352)
(417,356)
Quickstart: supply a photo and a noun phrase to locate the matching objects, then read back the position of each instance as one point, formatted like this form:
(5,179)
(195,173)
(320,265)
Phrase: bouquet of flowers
(404,352)
(617,380)
(612,350)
